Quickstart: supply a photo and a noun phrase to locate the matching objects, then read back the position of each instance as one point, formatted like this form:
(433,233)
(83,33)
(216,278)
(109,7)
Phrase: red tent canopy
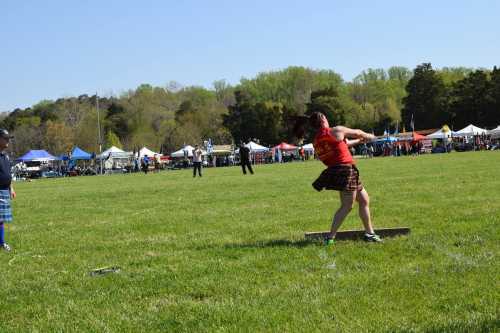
(285,146)
(417,137)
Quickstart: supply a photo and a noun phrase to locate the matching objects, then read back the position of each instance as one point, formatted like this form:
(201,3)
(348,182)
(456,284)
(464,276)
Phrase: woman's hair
(301,123)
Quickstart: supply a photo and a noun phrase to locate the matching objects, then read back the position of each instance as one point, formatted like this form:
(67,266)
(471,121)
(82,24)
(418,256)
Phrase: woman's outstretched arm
(342,132)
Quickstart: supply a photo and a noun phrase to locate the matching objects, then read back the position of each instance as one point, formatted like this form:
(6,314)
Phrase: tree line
(166,118)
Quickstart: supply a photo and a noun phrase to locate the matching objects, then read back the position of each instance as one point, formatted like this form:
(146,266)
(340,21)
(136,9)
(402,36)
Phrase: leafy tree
(470,101)
(399,73)
(45,110)
(492,114)
(327,102)
(451,75)
(224,93)
(291,87)
(241,119)
(379,94)
(113,140)
(32,121)
(269,126)
(116,120)
(58,137)
(185,109)
(260,107)
(86,133)
(26,137)
(426,100)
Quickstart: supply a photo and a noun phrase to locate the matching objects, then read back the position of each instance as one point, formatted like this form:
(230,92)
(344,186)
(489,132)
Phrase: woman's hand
(368,137)
(12,194)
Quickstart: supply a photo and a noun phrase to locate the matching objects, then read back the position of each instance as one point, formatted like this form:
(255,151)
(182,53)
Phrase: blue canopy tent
(78,154)
(37,156)
(386,139)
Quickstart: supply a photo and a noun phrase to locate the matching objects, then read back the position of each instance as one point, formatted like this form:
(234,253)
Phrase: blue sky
(51,49)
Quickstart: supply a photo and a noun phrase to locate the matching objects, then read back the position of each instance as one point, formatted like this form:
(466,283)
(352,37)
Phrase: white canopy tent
(308,147)
(115,158)
(470,131)
(440,134)
(114,152)
(495,133)
(181,152)
(256,148)
(189,149)
(145,151)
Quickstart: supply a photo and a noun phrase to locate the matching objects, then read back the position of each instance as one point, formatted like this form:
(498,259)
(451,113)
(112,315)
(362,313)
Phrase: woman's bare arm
(341,132)
(351,143)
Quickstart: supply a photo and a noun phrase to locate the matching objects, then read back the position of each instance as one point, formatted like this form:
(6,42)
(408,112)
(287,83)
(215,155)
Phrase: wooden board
(356,234)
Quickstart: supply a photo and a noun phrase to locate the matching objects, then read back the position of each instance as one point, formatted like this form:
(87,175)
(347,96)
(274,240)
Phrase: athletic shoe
(5,247)
(372,238)
(329,241)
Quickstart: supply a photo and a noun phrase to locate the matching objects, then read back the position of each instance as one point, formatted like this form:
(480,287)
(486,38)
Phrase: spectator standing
(145,164)
(197,159)
(245,159)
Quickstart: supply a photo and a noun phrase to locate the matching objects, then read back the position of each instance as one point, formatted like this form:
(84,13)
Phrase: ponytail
(299,127)
(301,123)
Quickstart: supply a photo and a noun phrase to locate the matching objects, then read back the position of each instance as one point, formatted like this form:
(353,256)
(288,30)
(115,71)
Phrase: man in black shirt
(6,189)
(245,159)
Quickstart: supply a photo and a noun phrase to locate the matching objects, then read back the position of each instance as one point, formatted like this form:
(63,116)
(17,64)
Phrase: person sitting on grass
(332,148)
(6,189)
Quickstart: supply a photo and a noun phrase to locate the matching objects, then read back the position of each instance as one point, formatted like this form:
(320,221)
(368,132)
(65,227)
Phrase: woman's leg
(346,203)
(364,210)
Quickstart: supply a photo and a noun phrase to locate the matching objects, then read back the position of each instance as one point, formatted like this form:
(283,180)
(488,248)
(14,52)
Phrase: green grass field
(227,252)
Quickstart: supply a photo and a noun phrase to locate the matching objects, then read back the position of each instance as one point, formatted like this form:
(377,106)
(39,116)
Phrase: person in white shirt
(197,156)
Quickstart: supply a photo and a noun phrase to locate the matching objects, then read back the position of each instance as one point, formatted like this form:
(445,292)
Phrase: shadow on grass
(272,243)
(269,244)
(485,325)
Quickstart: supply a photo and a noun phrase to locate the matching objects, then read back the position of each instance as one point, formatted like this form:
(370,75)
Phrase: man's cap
(5,134)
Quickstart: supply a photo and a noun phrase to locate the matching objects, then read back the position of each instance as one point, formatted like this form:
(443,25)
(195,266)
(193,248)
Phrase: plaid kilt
(5,209)
(343,177)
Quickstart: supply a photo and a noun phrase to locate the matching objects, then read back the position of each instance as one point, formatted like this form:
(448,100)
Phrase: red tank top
(330,150)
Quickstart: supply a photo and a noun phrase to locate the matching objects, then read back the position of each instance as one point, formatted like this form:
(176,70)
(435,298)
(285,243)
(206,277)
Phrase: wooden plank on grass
(356,234)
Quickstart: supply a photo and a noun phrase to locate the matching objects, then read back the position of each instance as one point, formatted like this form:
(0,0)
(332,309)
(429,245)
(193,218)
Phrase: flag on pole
(210,146)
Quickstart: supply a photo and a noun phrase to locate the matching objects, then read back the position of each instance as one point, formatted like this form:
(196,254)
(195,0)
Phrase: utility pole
(99,130)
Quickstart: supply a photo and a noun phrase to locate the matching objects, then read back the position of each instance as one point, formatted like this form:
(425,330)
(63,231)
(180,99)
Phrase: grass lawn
(226,252)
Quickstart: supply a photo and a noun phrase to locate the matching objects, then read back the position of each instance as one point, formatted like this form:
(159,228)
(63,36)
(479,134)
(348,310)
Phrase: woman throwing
(332,147)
